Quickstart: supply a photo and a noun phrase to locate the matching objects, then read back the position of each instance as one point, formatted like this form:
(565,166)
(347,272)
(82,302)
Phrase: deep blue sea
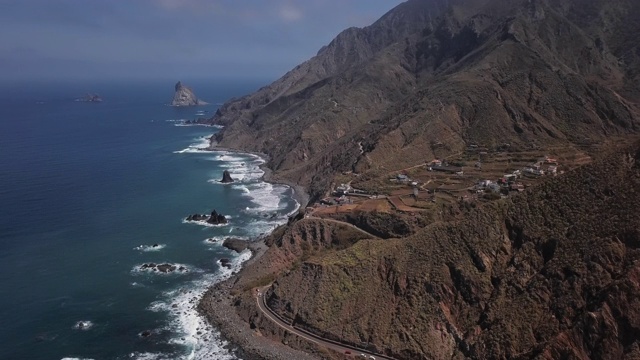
(86,189)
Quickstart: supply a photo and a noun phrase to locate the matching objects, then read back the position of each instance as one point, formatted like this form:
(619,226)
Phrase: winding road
(344,224)
(349,351)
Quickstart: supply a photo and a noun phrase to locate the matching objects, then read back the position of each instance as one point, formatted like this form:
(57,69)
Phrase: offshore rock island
(184,96)
(91,98)
(473,172)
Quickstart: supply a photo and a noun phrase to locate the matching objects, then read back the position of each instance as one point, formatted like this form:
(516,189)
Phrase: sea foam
(83,325)
(150,248)
(200,145)
(205,223)
(201,340)
(180,269)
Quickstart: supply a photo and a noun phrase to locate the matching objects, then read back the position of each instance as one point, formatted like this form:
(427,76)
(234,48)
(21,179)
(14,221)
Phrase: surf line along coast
(217,304)
(300,194)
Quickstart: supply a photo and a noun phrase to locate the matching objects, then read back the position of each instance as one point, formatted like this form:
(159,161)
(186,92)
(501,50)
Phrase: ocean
(88,189)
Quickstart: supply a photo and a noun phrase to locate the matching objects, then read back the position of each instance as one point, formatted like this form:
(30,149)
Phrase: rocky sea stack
(226,177)
(184,96)
(215,218)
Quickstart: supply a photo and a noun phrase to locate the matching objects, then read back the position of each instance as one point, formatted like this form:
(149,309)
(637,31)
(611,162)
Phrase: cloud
(289,13)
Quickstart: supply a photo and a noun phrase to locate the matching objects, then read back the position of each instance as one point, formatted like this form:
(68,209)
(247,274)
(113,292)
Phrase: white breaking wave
(150,248)
(192,331)
(83,325)
(216,241)
(204,223)
(267,196)
(150,356)
(242,188)
(201,145)
(182,122)
(201,340)
(179,269)
(242,169)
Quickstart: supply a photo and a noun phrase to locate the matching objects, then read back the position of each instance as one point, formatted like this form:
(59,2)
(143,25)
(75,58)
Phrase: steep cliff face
(551,273)
(184,96)
(431,76)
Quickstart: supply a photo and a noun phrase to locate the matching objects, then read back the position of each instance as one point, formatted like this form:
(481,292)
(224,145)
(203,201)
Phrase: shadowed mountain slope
(431,76)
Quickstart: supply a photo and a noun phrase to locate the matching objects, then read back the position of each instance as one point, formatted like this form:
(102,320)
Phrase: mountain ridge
(316,116)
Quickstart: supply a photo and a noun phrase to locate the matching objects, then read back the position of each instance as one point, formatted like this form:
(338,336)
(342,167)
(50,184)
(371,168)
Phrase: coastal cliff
(549,273)
(184,96)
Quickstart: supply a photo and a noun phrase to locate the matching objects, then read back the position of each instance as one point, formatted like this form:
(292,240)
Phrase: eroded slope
(552,273)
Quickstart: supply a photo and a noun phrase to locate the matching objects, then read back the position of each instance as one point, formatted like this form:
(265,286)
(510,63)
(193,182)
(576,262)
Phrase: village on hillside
(477,175)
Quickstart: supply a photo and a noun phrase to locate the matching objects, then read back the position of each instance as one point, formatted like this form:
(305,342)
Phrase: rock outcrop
(225,262)
(197,217)
(226,177)
(236,245)
(184,96)
(215,218)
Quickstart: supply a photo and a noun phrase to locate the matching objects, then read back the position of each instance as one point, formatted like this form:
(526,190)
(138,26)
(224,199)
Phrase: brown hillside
(552,273)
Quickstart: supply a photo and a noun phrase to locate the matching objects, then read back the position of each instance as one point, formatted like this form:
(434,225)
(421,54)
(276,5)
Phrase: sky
(169,39)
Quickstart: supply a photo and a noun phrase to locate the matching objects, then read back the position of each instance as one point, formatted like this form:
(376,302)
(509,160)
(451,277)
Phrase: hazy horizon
(77,40)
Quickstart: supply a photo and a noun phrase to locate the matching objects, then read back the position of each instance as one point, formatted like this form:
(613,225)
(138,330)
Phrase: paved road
(343,349)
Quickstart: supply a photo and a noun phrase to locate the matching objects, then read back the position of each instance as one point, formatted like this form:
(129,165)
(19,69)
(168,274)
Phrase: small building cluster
(443,166)
(342,193)
(544,166)
(342,190)
(341,200)
(503,185)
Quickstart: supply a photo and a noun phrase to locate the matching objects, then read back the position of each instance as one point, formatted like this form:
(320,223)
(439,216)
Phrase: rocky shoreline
(299,192)
(217,306)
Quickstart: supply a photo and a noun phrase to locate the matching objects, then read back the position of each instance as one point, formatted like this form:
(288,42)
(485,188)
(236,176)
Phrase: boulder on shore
(226,177)
(225,262)
(236,245)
